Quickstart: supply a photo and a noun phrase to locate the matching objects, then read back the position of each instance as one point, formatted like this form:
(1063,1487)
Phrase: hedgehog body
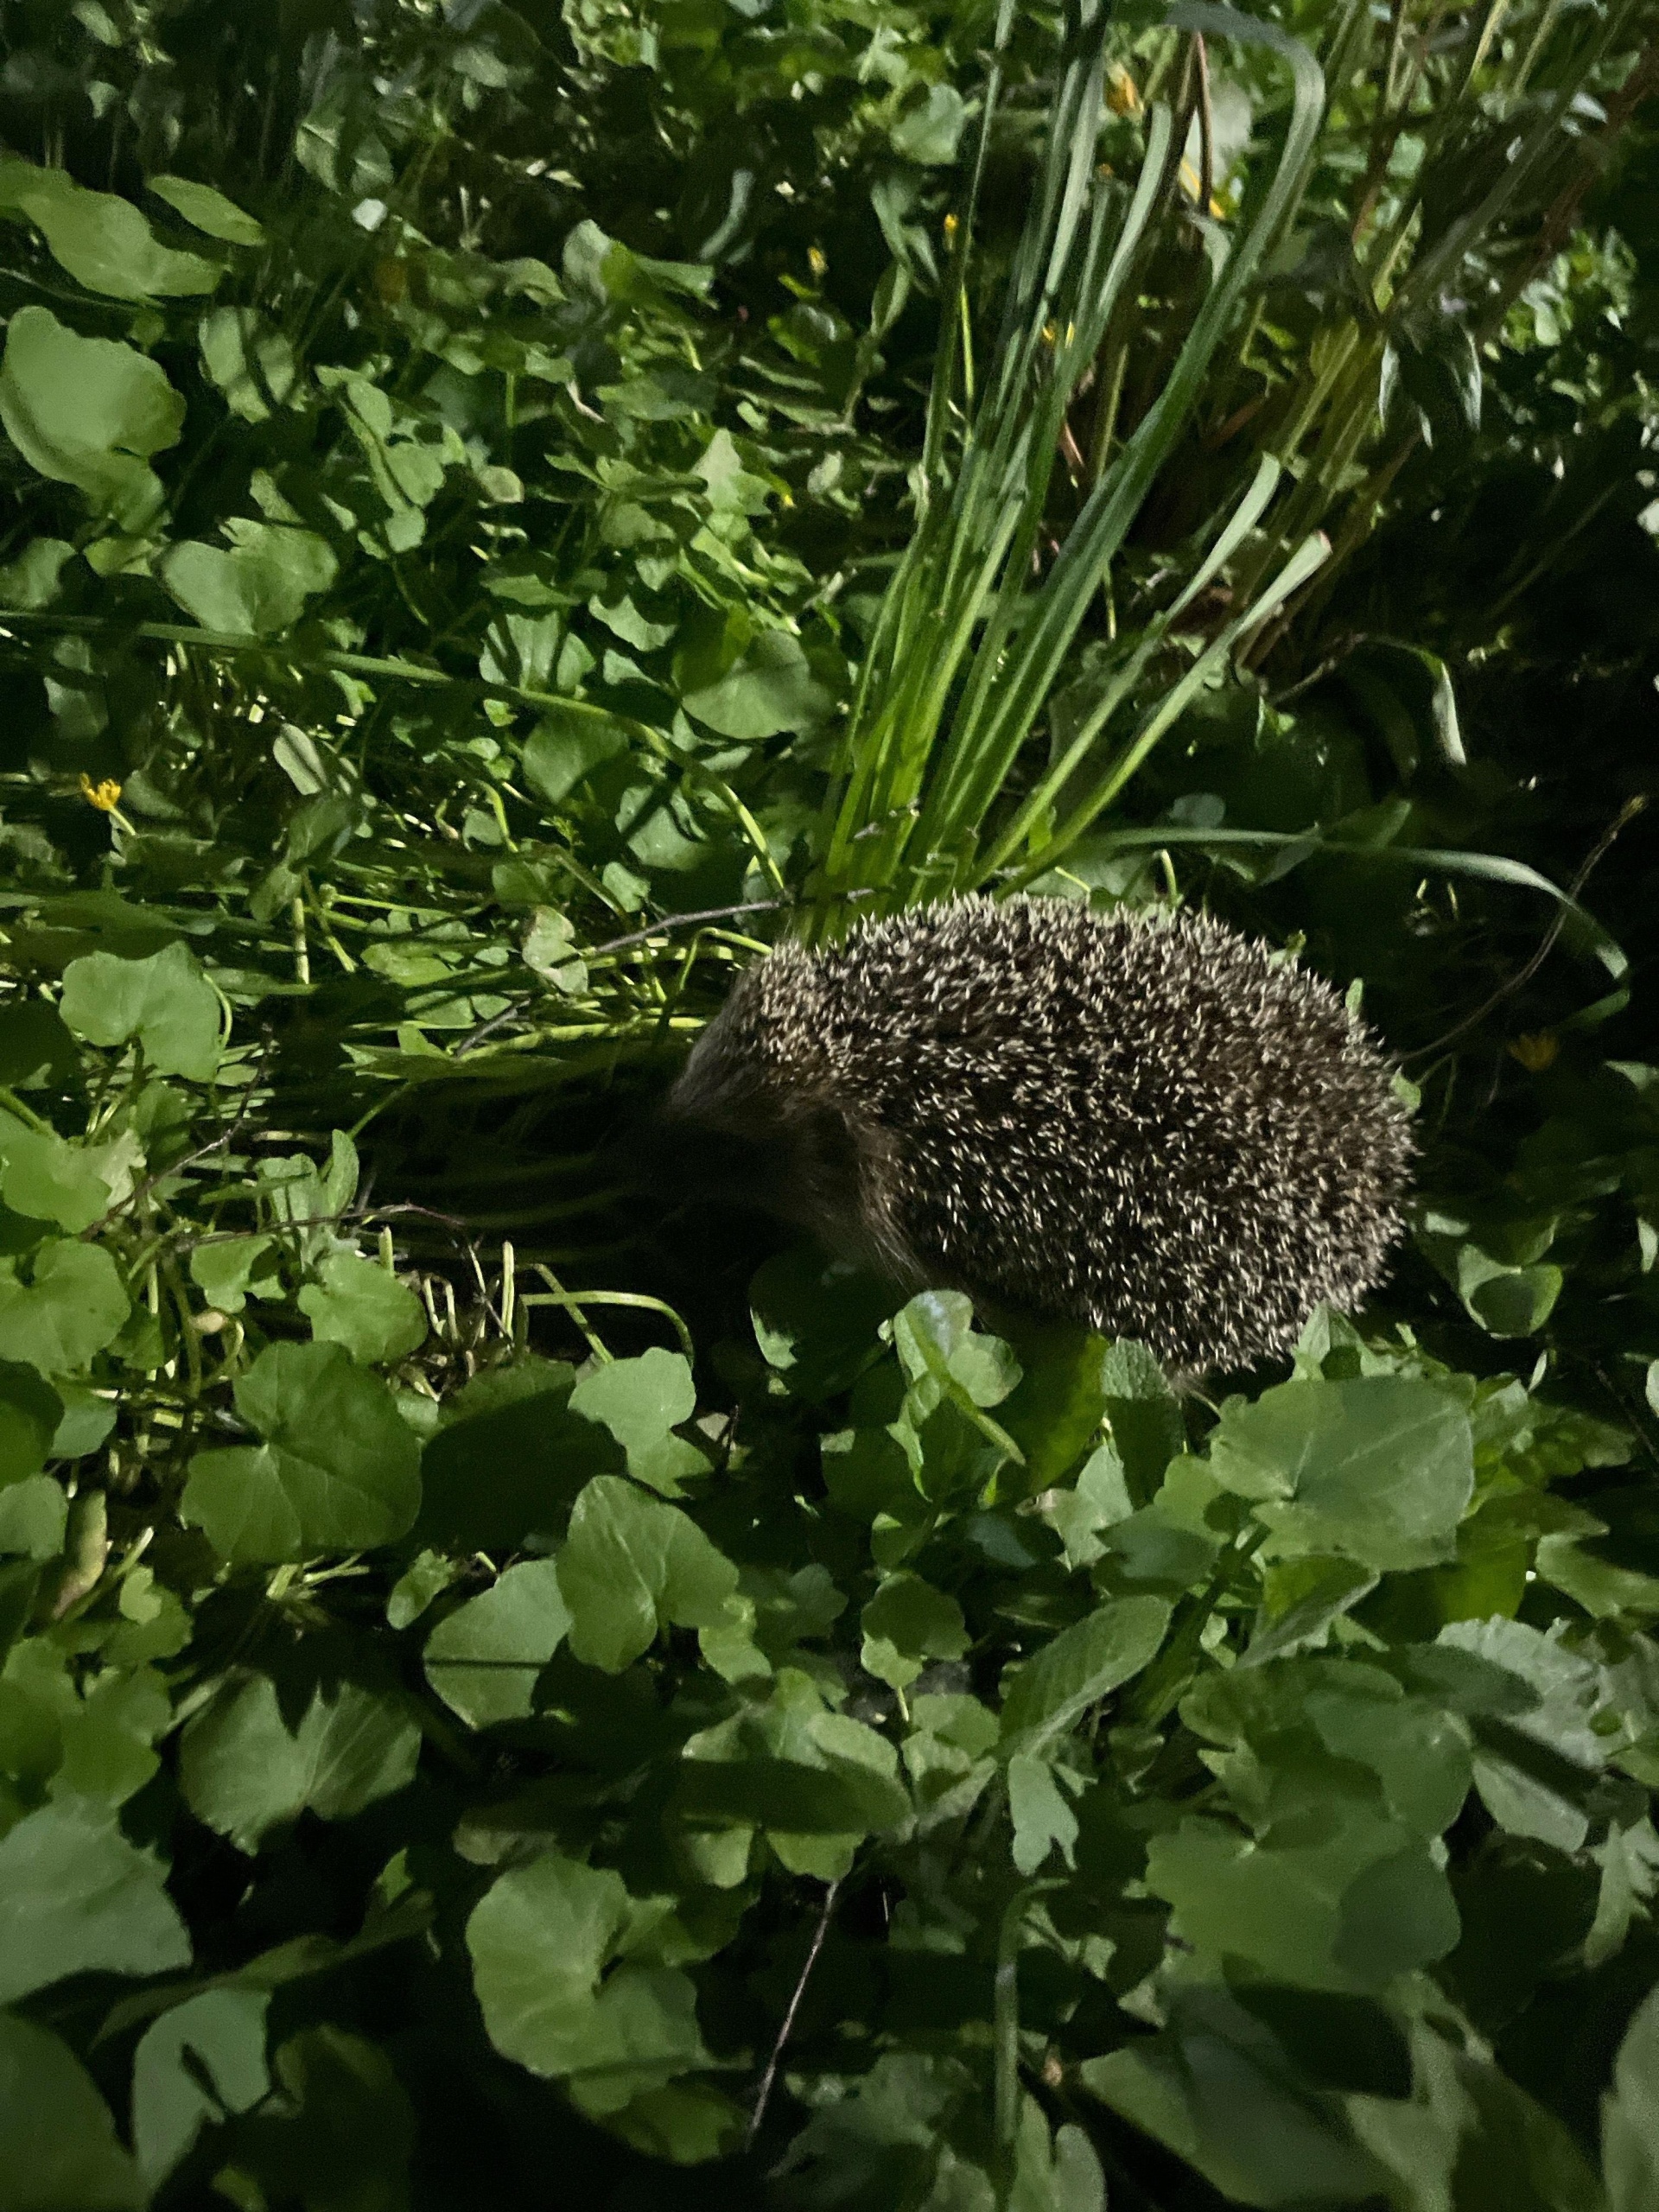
(1152,1125)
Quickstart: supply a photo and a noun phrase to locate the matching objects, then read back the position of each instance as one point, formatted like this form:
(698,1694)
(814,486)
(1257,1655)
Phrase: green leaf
(566,746)
(255,587)
(70,1307)
(484,1658)
(1215,2087)
(88,411)
(770,690)
(245,1771)
(102,240)
(229,1273)
(1350,1904)
(32,580)
(208,211)
(640,1402)
(249,362)
(816,1321)
(355,1302)
(338,1470)
(1040,1815)
(45,1177)
(33,1516)
(77,1897)
(1145,1415)
(1507,1301)
(1055,1687)
(906,1623)
(633,1565)
(1055,1413)
(204,2059)
(510,1462)
(928,132)
(165,1002)
(58,2147)
(539,1940)
(29,1412)
(1378,1470)
(1630,2116)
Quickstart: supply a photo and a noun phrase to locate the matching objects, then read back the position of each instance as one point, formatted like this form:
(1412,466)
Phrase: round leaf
(165,1002)
(483,1659)
(88,412)
(338,1470)
(77,1897)
(73,1306)
(58,2147)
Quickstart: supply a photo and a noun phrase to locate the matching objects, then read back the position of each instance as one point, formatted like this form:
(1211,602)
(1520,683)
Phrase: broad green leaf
(356,1303)
(1507,1301)
(1145,1415)
(229,1272)
(937,1343)
(245,1771)
(252,363)
(566,746)
(1537,1752)
(815,1320)
(512,1464)
(483,1659)
(221,2035)
(33,1516)
(1378,1470)
(1039,1813)
(59,2151)
(29,1412)
(886,2135)
(337,1469)
(68,1304)
(1215,2087)
(928,132)
(1062,2174)
(208,210)
(772,689)
(77,1897)
(1097,1501)
(1300,1598)
(88,411)
(45,1177)
(641,1401)
(906,1623)
(1350,1904)
(31,581)
(103,240)
(254,587)
(340,2131)
(539,1941)
(1630,2116)
(165,1002)
(1055,1413)
(632,1565)
(1055,1687)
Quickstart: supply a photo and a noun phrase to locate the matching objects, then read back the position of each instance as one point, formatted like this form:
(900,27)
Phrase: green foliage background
(518,1692)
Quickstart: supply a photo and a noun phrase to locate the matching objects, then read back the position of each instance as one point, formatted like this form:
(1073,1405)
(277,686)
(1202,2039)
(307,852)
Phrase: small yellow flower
(105,795)
(815,261)
(1123,94)
(1050,333)
(951,227)
(1535,1052)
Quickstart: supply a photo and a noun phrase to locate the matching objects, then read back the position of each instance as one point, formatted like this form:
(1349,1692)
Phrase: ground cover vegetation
(520,1688)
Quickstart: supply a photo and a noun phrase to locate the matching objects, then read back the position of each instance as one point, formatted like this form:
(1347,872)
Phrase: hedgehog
(1145,1122)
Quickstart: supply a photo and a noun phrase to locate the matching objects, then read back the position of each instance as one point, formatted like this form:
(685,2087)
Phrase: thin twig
(1626,814)
(763,2095)
(1206,128)
(218,1144)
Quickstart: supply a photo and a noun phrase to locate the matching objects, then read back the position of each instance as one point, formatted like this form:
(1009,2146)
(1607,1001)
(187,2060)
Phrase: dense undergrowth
(512,1678)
